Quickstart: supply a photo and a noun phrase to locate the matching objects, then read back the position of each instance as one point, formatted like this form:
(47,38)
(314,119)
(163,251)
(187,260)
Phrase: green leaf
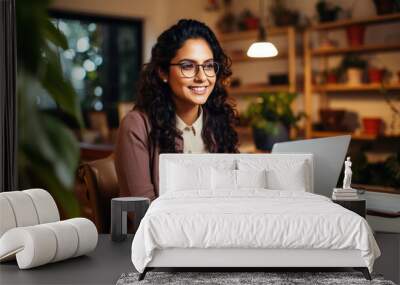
(271,108)
(54,35)
(48,152)
(61,89)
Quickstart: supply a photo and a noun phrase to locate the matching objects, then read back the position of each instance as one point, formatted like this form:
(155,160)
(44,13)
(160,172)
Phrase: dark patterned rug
(242,278)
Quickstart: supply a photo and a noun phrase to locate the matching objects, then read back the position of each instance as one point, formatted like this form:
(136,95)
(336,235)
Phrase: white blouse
(192,140)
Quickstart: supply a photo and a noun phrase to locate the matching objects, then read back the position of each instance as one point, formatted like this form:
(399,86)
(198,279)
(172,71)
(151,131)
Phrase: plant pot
(226,23)
(332,120)
(354,76)
(385,6)
(278,79)
(251,23)
(375,75)
(398,75)
(331,78)
(372,126)
(288,18)
(355,35)
(264,141)
(328,16)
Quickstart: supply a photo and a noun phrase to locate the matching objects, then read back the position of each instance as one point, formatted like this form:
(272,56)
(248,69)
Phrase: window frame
(112,77)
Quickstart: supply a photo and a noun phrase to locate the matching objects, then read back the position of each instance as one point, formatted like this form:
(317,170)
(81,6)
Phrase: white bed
(214,223)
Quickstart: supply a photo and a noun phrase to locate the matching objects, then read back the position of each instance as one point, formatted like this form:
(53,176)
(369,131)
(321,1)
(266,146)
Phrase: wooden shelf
(312,53)
(376,188)
(252,34)
(365,21)
(355,88)
(324,134)
(354,136)
(256,88)
(360,49)
(244,58)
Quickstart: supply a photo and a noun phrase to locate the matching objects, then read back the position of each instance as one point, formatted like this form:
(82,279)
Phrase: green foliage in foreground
(48,152)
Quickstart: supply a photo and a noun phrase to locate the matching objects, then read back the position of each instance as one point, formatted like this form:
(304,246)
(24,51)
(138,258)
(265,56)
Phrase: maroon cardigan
(136,157)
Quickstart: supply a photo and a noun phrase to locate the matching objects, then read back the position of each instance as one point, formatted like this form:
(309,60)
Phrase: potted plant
(327,12)
(271,118)
(48,151)
(331,76)
(282,15)
(227,22)
(354,67)
(248,21)
(386,6)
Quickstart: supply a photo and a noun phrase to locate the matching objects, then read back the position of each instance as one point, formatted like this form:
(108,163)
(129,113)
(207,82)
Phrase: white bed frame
(249,257)
(234,257)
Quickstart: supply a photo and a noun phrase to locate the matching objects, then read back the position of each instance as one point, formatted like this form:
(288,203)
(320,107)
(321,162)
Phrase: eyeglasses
(190,69)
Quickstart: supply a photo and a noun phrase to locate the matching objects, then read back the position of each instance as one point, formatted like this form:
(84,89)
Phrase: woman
(181,107)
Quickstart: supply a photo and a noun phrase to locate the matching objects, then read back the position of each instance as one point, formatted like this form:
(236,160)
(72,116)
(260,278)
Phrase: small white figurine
(347,174)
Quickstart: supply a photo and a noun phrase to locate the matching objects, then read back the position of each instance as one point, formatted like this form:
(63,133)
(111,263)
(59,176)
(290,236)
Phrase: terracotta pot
(398,75)
(355,35)
(331,78)
(354,76)
(251,23)
(372,126)
(375,75)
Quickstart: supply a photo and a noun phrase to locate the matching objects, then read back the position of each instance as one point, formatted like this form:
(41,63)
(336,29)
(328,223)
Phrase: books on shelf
(344,194)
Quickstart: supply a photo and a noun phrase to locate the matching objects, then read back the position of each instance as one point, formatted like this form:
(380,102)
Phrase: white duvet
(252,218)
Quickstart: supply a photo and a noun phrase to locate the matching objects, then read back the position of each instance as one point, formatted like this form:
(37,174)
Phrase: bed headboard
(232,161)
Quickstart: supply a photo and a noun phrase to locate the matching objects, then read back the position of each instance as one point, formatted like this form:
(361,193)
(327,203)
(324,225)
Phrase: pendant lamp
(262,48)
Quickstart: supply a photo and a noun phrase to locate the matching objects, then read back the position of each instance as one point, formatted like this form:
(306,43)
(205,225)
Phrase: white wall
(157,15)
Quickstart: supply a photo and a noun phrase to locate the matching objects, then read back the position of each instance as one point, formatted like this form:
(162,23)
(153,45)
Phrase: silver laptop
(329,154)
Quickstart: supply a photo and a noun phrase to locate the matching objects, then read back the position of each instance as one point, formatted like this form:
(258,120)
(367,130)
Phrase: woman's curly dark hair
(218,129)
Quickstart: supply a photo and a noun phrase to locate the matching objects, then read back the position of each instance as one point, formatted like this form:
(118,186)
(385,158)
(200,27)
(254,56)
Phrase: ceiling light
(262,48)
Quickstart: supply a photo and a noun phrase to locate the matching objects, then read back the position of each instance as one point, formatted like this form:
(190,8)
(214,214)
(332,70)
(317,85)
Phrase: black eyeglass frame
(197,69)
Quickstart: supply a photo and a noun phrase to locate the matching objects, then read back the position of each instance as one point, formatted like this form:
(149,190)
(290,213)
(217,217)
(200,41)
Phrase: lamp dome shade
(262,49)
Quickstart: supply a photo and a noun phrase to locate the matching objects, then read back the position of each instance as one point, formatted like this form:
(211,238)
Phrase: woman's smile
(198,90)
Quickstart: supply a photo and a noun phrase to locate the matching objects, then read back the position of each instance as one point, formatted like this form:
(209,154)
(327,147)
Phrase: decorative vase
(354,76)
(372,125)
(355,35)
(331,78)
(375,75)
(265,141)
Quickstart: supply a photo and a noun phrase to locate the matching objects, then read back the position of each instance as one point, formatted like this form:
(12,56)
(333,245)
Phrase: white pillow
(251,178)
(228,179)
(182,177)
(293,179)
(282,174)
(223,179)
